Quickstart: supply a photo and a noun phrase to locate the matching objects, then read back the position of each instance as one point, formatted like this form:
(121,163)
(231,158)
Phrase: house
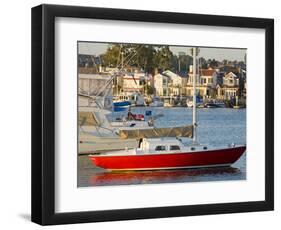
(206,82)
(229,88)
(131,83)
(161,84)
(175,83)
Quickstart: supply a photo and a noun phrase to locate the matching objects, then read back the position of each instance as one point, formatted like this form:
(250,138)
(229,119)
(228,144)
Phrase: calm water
(216,127)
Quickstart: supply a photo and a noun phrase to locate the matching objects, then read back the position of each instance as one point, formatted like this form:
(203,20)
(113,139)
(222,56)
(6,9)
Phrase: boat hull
(214,105)
(211,158)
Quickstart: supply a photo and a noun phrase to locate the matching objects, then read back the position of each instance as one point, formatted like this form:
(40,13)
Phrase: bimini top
(183,131)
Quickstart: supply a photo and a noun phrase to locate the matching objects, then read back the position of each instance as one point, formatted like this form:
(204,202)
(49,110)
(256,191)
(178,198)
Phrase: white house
(175,82)
(230,87)
(161,85)
(231,80)
(131,83)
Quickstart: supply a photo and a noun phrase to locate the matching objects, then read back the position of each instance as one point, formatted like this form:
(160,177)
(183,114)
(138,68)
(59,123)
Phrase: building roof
(205,72)
(230,74)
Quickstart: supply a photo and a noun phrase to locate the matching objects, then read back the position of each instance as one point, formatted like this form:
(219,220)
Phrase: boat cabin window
(192,148)
(174,147)
(160,148)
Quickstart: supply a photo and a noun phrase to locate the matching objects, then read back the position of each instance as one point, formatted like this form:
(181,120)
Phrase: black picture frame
(43,114)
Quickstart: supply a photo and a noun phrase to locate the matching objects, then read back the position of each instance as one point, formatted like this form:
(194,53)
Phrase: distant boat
(168,102)
(156,102)
(214,104)
(131,99)
(121,105)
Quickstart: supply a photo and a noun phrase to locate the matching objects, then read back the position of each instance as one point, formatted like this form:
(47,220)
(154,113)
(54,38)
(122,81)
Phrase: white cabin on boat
(167,145)
(164,145)
(160,145)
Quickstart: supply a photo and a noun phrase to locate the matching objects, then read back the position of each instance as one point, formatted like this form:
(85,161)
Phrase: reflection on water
(163,176)
(216,127)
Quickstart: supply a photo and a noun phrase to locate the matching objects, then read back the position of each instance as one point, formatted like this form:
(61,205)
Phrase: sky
(93,48)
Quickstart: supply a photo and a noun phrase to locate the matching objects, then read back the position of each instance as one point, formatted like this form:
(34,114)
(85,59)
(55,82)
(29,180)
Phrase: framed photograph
(143,114)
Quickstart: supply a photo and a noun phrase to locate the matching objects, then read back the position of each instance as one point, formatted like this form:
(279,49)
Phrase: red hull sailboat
(135,159)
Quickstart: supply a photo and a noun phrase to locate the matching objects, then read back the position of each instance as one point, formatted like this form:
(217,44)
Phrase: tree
(213,63)
(146,57)
(163,58)
(149,89)
(112,56)
(203,63)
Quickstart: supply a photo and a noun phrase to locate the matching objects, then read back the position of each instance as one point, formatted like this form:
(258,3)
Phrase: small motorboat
(121,105)
(168,153)
(214,104)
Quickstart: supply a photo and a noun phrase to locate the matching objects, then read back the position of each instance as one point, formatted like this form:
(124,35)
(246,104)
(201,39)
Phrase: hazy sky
(216,53)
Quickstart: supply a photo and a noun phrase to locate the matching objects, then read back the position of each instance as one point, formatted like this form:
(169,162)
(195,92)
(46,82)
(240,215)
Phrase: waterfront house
(175,83)
(230,87)
(161,85)
(206,82)
(131,83)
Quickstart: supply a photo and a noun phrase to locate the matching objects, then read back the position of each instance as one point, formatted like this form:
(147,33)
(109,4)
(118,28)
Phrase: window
(160,148)
(164,81)
(174,147)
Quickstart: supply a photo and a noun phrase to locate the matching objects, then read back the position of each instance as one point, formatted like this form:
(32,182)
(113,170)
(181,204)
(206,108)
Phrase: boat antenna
(194,70)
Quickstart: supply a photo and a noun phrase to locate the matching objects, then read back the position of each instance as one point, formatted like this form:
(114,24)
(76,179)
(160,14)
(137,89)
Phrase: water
(220,126)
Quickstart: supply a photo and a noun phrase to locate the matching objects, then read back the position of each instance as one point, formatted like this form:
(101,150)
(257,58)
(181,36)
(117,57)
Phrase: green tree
(146,57)
(163,58)
(112,56)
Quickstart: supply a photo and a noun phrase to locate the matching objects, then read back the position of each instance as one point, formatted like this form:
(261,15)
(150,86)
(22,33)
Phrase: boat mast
(194,68)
